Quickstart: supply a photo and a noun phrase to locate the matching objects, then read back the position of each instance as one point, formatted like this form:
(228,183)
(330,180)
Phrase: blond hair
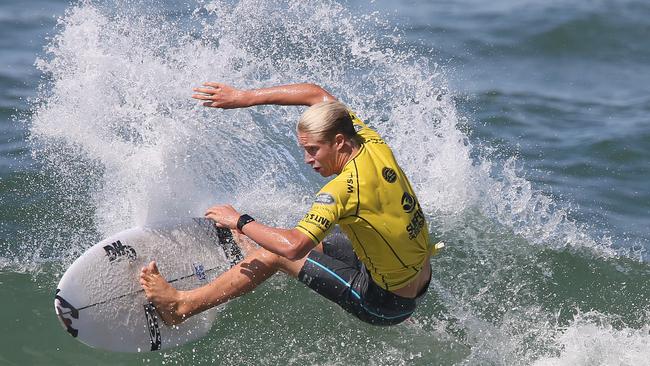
(325,120)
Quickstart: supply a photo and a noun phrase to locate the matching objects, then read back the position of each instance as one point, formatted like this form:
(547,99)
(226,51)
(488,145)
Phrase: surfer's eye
(311,150)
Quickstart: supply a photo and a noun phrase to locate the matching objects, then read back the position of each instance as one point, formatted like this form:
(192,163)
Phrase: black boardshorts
(338,275)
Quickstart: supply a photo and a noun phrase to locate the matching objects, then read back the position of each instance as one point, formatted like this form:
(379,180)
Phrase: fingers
(211,210)
(219,95)
(203,96)
(214,85)
(211,97)
(207,104)
(205,90)
(214,88)
(215,218)
(219,208)
(223,215)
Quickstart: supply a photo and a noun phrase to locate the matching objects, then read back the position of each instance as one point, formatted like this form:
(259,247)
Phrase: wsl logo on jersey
(350,183)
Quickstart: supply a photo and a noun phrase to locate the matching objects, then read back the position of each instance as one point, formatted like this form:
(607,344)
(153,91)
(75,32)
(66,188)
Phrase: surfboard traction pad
(224,239)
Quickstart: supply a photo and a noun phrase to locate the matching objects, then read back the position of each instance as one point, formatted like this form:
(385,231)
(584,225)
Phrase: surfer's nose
(308,159)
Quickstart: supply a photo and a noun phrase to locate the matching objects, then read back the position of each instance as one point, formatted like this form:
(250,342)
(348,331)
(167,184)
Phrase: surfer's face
(322,156)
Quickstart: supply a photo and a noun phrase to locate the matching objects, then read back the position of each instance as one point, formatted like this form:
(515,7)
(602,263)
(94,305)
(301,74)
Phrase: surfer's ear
(339,140)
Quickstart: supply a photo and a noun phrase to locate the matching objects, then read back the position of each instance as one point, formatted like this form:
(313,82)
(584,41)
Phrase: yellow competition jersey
(375,206)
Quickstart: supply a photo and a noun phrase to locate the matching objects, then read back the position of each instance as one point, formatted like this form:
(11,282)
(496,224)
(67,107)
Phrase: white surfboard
(100,302)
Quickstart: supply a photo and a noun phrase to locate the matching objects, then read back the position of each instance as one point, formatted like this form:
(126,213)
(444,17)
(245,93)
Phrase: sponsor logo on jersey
(416,224)
(375,141)
(324,199)
(350,183)
(317,220)
(389,175)
(118,250)
(408,202)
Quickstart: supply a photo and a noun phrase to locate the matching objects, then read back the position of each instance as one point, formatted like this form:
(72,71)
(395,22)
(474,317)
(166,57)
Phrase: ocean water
(522,124)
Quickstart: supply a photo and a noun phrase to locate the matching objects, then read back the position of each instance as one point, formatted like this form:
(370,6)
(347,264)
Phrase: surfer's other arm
(219,95)
(288,243)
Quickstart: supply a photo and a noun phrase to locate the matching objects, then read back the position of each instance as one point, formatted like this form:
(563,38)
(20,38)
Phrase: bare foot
(165,297)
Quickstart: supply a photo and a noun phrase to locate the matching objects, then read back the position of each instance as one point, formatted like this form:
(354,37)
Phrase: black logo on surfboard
(118,250)
(199,271)
(60,304)
(152,324)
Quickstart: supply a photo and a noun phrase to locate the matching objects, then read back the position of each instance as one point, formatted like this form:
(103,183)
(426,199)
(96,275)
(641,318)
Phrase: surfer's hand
(219,95)
(223,215)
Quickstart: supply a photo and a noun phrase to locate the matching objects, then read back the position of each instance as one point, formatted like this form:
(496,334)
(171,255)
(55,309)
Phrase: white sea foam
(118,98)
(592,339)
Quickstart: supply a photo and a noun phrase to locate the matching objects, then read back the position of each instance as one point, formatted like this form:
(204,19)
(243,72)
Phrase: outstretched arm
(219,95)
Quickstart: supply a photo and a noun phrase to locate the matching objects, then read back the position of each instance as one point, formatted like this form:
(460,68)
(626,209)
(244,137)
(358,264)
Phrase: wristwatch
(243,220)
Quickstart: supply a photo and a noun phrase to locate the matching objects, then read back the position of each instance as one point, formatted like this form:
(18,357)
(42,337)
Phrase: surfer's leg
(246,244)
(338,275)
(174,306)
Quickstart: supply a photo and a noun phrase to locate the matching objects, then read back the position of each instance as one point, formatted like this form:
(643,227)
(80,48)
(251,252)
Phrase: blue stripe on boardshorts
(338,275)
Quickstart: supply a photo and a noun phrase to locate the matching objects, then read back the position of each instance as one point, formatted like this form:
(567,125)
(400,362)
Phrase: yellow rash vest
(375,206)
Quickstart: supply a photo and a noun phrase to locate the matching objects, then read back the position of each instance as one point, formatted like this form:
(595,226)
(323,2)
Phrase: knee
(269,258)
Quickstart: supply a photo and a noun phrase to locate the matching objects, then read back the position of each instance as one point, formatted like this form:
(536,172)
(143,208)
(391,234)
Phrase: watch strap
(243,220)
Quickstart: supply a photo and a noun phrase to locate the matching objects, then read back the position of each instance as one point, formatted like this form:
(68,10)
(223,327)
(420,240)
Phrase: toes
(146,269)
(153,268)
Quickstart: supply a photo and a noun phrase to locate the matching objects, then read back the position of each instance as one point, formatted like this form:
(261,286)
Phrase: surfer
(364,242)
